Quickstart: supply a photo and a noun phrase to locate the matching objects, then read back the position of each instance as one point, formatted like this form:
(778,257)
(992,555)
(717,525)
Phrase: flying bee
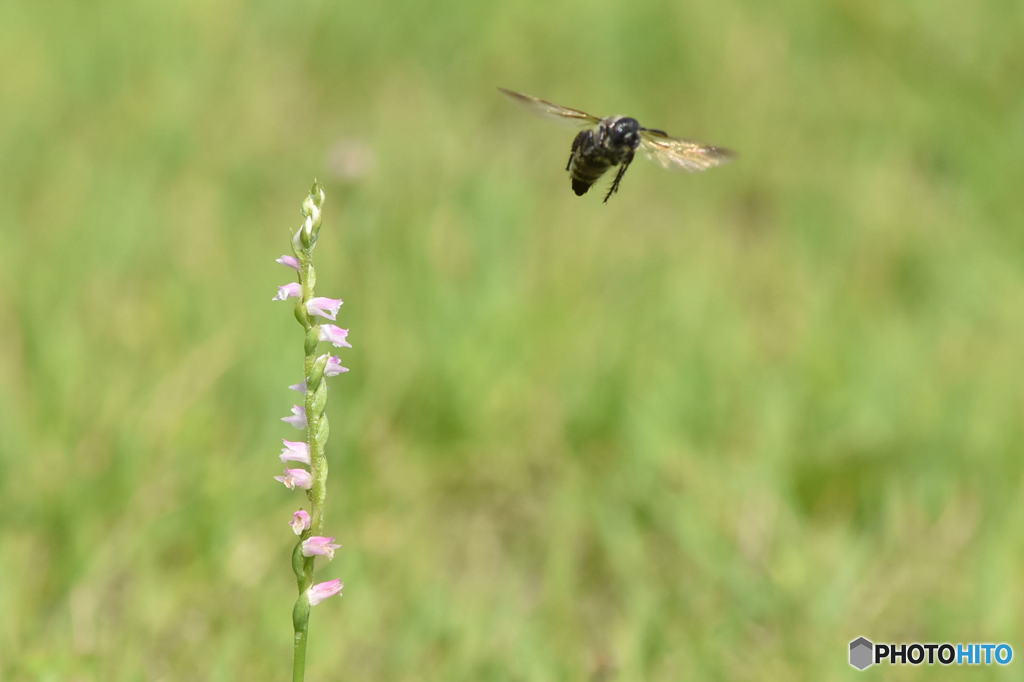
(612,141)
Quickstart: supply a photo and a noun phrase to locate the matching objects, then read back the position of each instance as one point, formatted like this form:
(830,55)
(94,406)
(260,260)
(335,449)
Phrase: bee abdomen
(580,187)
(585,173)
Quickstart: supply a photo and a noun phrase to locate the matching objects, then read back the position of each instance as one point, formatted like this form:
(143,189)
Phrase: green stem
(300,618)
(299,660)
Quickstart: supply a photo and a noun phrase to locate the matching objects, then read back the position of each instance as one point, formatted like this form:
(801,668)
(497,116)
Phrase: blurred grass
(712,430)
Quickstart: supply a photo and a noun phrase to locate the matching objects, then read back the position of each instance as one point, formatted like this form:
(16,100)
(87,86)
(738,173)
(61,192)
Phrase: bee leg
(618,177)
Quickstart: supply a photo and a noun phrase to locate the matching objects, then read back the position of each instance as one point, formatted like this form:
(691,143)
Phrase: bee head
(625,132)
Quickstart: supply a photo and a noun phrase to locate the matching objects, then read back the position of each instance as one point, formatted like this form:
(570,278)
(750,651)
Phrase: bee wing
(551,110)
(681,155)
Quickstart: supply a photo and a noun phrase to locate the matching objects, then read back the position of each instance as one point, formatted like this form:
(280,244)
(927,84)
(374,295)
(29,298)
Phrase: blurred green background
(712,430)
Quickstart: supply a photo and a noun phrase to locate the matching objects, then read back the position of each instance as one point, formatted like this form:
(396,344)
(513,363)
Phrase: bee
(612,141)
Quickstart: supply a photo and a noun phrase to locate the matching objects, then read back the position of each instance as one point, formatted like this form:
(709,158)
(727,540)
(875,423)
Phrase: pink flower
(286,291)
(300,521)
(295,451)
(333,367)
(318,545)
(317,593)
(298,418)
(323,306)
(337,336)
(296,478)
(289,261)
(301,388)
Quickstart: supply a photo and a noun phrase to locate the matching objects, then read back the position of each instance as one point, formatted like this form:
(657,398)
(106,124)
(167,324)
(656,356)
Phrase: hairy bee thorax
(619,134)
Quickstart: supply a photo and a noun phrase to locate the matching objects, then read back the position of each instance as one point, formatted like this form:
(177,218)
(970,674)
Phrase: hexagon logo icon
(862,653)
